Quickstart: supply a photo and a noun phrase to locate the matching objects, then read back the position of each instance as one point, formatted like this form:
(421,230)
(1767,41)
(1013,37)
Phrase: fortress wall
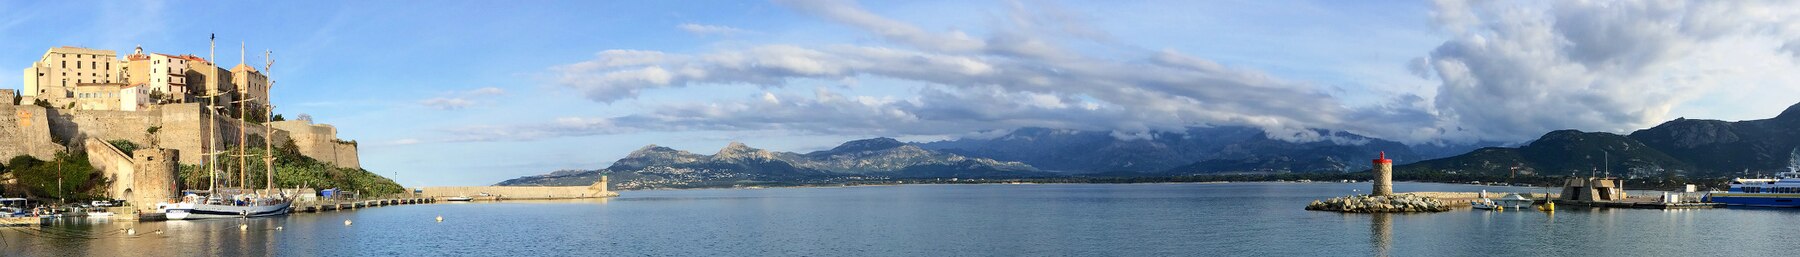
(183,128)
(320,141)
(346,156)
(25,130)
(113,165)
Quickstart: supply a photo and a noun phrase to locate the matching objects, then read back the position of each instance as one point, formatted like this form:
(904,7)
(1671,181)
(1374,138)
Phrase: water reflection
(1381,233)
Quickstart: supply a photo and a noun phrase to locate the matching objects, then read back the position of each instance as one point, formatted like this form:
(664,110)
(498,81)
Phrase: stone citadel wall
(37,131)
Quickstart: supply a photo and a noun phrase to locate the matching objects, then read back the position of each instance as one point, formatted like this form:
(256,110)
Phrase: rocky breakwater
(1375,204)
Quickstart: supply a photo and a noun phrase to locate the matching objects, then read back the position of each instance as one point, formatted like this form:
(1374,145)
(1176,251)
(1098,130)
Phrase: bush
(123,145)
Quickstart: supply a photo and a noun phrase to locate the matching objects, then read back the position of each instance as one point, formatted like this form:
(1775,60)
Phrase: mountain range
(1682,147)
(1679,148)
(661,167)
(1196,150)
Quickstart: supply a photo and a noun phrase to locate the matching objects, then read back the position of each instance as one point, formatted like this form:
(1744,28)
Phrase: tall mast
(243,139)
(212,175)
(269,137)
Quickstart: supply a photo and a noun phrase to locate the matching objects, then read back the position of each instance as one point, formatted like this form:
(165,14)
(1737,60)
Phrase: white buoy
(278,227)
(242,227)
(440,218)
(346,222)
(131,231)
(159,232)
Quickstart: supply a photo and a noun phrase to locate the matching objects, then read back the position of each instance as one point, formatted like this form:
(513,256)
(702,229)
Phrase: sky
(474,92)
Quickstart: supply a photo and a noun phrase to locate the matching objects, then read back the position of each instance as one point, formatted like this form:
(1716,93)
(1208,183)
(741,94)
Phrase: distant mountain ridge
(1681,147)
(1195,150)
(656,166)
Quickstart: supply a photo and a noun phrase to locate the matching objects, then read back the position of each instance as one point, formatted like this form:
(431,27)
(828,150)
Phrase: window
(65,64)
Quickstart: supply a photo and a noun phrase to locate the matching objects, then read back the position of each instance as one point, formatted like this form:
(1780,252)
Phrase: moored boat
(1783,191)
(459,199)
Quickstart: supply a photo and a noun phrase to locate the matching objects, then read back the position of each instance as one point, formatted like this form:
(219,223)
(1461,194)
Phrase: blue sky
(470,93)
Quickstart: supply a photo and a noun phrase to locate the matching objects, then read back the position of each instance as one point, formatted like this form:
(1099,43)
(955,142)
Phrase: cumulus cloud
(1513,70)
(1509,71)
(1021,75)
(710,30)
(456,100)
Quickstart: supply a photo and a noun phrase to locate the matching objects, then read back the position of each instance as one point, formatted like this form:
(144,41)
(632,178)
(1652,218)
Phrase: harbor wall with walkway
(598,189)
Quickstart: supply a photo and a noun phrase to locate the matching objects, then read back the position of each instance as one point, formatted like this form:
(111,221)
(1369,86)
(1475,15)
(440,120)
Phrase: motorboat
(1510,201)
(459,199)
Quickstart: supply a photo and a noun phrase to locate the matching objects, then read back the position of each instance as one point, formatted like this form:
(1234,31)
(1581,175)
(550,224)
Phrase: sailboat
(232,203)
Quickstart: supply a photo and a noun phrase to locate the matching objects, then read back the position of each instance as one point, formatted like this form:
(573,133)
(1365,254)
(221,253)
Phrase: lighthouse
(1384,176)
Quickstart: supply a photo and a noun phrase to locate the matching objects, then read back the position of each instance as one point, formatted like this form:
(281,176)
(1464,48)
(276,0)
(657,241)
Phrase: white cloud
(446,103)
(457,100)
(1513,70)
(1509,71)
(711,30)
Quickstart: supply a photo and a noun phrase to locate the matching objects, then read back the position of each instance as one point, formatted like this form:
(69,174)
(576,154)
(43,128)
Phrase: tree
(278,118)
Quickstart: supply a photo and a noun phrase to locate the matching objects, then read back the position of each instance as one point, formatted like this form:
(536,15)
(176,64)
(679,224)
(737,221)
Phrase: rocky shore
(1374,204)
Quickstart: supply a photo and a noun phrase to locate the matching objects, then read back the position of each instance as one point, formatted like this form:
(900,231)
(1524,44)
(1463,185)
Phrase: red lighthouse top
(1383,159)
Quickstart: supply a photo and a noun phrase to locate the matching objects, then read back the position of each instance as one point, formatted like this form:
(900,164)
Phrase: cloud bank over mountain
(1506,71)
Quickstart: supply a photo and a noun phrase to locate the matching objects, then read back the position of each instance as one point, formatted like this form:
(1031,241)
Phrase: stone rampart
(25,130)
(115,167)
(320,141)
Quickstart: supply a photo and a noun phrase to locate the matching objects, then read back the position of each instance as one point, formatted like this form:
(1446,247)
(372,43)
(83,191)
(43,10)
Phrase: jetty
(352,204)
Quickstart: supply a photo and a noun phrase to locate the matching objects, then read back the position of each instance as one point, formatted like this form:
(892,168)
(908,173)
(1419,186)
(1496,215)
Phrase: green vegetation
(291,170)
(69,176)
(123,145)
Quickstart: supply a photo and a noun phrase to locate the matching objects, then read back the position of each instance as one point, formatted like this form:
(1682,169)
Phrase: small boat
(1510,201)
(100,214)
(459,199)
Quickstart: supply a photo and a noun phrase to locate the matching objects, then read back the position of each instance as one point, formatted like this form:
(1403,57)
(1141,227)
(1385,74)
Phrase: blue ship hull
(1786,201)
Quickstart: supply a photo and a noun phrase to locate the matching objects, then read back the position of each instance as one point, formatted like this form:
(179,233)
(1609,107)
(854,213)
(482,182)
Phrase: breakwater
(1380,204)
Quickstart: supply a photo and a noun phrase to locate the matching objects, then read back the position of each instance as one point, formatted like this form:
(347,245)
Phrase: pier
(351,204)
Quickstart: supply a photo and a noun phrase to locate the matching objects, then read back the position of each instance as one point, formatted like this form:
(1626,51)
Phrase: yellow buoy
(1500,208)
(243,226)
(440,218)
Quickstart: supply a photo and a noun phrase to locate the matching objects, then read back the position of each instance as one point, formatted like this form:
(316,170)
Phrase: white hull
(215,211)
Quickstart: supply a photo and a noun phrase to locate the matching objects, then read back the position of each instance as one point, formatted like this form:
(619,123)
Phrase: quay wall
(518,192)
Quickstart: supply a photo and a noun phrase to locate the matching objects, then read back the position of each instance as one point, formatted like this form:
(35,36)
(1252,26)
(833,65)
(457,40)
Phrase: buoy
(243,226)
(131,231)
(346,222)
(277,227)
(440,218)
(159,232)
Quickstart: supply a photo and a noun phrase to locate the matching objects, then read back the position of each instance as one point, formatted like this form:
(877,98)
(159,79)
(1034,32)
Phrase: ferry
(1783,191)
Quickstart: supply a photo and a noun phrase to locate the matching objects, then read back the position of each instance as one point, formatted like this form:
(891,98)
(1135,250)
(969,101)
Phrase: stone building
(110,97)
(54,76)
(164,74)
(252,86)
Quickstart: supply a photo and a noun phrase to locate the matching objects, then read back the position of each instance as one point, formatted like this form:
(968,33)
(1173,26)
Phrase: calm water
(1243,219)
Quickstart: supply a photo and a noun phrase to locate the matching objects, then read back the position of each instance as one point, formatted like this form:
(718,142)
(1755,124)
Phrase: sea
(1183,219)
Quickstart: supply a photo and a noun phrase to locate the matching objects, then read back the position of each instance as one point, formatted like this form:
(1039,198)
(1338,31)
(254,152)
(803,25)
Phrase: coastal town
(153,136)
